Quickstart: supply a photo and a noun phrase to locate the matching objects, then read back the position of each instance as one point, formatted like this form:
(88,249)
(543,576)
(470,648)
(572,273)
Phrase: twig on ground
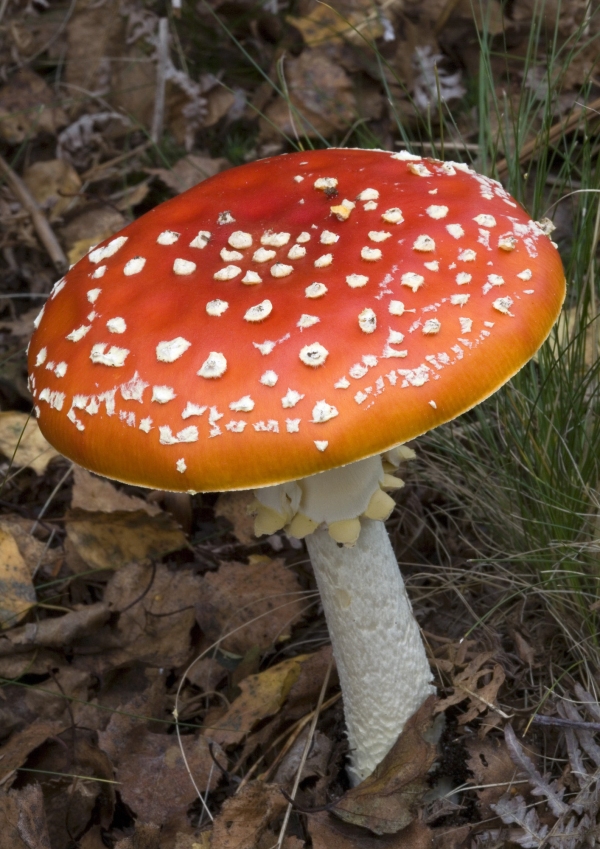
(161,73)
(39,220)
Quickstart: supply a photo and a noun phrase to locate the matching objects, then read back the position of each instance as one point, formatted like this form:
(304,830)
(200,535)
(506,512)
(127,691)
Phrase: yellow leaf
(17,594)
(33,449)
(262,696)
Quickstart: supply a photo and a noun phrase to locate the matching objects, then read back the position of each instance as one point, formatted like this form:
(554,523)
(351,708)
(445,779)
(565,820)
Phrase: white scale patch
(133,390)
(61,369)
(270,426)
(230,256)
(163,394)
(116,325)
(239,239)
(396,308)
(217,307)
(368,194)
(418,169)
(459,300)
(296,252)
(321,444)
(236,427)
(372,204)
(431,326)
(358,370)
(215,365)
(371,254)
(507,242)
(269,378)
(393,216)
(323,183)
(169,351)
(485,220)
(180,465)
(227,273)
(41,357)
(250,278)
(314,355)
(525,275)
(78,333)
(465,324)
(357,281)
(167,237)
(263,255)
(193,410)
(395,337)
(328,238)
(342,383)
(315,290)
(244,405)
(378,235)
(92,295)
(60,284)
(259,312)
(265,347)
(183,267)
(412,280)
(225,218)
(437,212)
(306,320)
(432,266)
(281,270)
(503,305)
(275,240)
(201,240)
(323,412)
(467,255)
(323,261)
(424,244)
(367,320)
(290,399)
(462,278)
(113,246)
(146,425)
(292,425)
(99,272)
(303,237)
(113,357)
(134,266)
(455,230)
(298,178)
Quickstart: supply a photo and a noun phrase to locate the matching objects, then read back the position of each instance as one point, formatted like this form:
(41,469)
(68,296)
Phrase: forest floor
(166,678)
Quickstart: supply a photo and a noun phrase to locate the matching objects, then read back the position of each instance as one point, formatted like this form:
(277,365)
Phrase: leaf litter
(160,668)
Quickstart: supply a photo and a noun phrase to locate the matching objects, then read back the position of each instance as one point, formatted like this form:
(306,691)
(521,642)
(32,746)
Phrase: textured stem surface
(378,649)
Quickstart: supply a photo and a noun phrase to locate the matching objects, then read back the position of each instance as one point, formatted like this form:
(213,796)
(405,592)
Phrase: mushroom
(286,326)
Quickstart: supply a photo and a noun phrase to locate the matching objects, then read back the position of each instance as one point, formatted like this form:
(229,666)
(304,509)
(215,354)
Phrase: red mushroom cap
(290,316)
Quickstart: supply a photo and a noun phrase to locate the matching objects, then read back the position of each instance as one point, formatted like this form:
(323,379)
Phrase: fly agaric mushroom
(283,327)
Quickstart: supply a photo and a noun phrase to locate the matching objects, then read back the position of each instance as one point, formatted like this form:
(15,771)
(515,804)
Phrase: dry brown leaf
(156,623)
(262,590)
(23,819)
(467,685)
(329,833)
(492,768)
(88,228)
(387,800)
(15,751)
(332,24)
(190,171)
(27,107)
(245,817)
(219,102)
(95,35)
(321,95)
(17,593)
(93,493)
(54,184)
(33,450)
(235,506)
(23,325)
(112,540)
(35,552)
(58,632)
(262,696)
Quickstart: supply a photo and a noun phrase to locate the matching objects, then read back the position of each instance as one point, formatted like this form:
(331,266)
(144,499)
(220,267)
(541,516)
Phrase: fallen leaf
(112,540)
(96,494)
(88,228)
(58,632)
(320,92)
(17,593)
(467,685)
(145,836)
(218,103)
(22,430)
(35,552)
(190,171)
(27,107)
(264,596)
(262,696)
(234,506)
(387,801)
(328,833)
(54,184)
(493,771)
(23,325)
(245,817)
(315,765)
(23,819)
(351,22)
(15,751)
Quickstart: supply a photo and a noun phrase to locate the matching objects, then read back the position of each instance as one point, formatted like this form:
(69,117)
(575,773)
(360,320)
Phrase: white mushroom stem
(381,661)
